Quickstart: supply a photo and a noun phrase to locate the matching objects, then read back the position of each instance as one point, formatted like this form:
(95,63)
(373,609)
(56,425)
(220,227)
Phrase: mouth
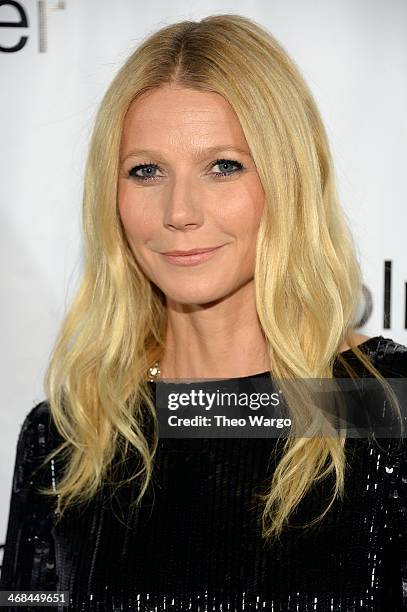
(192,257)
(191,251)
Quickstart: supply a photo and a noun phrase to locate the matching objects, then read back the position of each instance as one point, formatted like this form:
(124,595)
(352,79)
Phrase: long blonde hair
(307,279)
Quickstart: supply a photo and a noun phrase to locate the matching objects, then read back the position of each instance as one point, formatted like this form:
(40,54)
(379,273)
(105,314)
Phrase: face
(187,181)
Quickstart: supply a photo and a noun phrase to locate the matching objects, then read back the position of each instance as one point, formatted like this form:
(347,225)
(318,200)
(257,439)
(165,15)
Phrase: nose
(183,208)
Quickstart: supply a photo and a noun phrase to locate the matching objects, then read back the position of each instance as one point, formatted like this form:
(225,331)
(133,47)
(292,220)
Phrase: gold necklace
(154,372)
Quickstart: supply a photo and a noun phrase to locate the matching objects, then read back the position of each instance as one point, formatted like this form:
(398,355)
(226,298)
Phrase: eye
(146,172)
(143,177)
(222,163)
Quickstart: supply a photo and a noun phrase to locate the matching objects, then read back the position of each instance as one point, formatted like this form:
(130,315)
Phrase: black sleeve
(400,496)
(29,555)
(395,357)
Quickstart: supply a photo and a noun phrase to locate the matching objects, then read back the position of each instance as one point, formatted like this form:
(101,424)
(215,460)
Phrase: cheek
(136,220)
(246,214)
(136,231)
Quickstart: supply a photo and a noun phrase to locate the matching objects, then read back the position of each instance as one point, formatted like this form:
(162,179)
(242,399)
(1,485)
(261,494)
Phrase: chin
(193,296)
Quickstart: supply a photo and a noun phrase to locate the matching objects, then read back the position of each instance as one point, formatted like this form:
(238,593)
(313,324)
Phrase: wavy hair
(96,385)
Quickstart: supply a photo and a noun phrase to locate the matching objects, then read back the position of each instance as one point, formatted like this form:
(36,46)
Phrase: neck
(222,339)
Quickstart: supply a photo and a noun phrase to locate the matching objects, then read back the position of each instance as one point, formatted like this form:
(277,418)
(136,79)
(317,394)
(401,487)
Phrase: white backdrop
(353,54)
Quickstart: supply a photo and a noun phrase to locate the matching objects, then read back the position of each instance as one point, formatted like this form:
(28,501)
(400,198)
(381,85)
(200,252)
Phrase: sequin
(194,543)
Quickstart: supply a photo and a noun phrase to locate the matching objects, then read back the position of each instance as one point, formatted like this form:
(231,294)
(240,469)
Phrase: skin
(213,328)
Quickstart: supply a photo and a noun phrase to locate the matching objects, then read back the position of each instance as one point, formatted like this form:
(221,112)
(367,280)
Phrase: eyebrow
(197,153)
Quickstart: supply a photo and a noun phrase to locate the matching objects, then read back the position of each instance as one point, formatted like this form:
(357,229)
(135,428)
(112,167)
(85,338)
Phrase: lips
(191,252)
(192,257)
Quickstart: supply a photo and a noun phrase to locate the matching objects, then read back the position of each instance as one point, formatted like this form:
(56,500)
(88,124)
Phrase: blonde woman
(215,247)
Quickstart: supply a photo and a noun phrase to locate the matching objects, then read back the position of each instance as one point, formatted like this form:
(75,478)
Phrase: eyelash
(144,179)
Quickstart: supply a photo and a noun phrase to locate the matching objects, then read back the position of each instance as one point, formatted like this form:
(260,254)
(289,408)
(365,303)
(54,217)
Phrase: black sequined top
(195,543)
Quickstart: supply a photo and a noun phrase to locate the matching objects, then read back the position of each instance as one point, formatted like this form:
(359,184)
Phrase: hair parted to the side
(307,278)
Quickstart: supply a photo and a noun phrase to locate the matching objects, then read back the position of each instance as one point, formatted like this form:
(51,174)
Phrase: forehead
(169,117)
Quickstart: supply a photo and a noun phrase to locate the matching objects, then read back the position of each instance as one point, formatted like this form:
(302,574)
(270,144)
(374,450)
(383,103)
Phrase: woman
(208,139)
